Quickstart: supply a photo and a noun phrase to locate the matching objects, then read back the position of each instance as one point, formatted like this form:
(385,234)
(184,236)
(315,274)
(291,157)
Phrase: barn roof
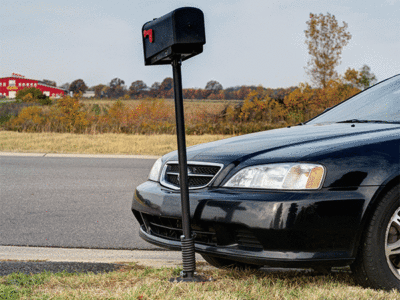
(38,82)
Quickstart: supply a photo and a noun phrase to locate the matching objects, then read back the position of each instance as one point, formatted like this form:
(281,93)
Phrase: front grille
(171,229)
(246,238)
(199,174)
(207,233)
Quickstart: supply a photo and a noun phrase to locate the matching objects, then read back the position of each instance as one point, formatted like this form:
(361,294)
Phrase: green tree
(33,95)
(325,40)
(78,86)
(367,78)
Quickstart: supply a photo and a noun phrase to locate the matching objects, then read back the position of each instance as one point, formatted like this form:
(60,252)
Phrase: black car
(320,194)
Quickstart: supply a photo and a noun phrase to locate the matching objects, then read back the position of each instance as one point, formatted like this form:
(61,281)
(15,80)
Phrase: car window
(378,103)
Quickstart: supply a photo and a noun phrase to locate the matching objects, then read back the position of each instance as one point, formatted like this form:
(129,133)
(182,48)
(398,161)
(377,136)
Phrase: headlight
(155,170)
(289,176)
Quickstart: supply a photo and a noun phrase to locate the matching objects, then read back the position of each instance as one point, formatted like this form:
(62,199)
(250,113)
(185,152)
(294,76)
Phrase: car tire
(377,264)
(224,263)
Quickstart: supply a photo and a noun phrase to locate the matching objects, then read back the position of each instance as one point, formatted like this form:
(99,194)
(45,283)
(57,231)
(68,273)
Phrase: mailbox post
(171,39)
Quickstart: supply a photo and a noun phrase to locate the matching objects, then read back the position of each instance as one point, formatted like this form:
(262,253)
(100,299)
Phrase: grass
(109,143)
(136,282)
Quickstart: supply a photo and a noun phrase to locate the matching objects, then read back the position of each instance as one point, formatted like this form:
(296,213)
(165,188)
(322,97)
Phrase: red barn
(9,86)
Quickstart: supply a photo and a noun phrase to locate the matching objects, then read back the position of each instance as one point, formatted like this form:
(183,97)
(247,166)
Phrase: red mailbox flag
(148,33)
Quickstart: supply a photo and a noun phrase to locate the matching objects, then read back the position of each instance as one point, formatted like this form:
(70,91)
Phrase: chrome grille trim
(164,174)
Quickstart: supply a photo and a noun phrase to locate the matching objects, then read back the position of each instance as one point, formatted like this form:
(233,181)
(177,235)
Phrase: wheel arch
(388,185)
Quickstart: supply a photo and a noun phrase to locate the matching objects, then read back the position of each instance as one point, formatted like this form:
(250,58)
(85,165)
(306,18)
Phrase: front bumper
(282,228)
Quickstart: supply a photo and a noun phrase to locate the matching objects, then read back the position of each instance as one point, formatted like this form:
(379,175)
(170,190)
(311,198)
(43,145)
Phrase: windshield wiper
(368,121)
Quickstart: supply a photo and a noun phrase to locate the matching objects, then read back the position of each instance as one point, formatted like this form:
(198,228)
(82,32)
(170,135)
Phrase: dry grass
(136,282)
(109,143)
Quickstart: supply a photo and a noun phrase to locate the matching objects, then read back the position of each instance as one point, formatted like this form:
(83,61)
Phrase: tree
(78,86)
(166,88)
(167,84)
(105,92)
(155,89)
(137,88)
(325,40)
(242,93)
(299,102)
(367,78)
(352,77)
(98,90)
(33,95)
(360,79)
(116,82)
(49,82)
(214,86)
(138,85)
(117,88)
(65,86)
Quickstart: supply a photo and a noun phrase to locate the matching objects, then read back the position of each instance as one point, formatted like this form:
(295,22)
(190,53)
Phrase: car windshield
(380,103)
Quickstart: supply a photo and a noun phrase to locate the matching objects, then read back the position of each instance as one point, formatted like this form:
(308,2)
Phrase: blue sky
(247,42)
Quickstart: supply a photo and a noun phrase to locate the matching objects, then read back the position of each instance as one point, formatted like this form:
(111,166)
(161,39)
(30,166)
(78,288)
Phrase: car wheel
(224,263)
(378,262)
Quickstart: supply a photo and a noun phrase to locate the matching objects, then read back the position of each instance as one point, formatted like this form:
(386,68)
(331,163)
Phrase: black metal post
(187,240)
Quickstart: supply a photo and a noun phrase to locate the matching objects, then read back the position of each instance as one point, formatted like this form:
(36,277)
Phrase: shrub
(33,95)
(9,110)
(96,109)
(68,115)
(29,119)
(44,100)
(300,103)
(306,102)
(258,106)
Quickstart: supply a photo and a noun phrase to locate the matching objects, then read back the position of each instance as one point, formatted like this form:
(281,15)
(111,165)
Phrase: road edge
(78,155)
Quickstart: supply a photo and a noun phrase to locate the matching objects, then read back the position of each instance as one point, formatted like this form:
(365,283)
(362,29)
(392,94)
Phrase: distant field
(110,101)
(190,105)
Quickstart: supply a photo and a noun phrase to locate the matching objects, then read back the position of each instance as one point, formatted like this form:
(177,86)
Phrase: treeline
(116,89)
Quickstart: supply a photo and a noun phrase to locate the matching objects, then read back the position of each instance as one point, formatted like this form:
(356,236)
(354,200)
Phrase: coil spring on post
(188,255)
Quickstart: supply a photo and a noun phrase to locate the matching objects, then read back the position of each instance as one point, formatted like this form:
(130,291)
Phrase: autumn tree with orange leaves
(325,40)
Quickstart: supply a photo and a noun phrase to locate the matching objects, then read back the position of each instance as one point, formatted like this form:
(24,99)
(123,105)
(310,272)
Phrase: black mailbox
(181,32)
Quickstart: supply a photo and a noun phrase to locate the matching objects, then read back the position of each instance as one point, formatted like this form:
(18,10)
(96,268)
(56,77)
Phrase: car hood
(288,144)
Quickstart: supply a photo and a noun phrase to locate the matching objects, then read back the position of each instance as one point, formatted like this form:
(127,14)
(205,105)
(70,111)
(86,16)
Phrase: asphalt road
(70,202)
